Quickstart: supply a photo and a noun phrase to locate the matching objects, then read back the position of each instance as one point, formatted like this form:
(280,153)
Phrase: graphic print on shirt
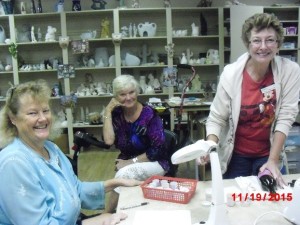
(261,113)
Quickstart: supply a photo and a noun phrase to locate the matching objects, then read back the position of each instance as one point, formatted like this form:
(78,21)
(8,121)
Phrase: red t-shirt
(257,113)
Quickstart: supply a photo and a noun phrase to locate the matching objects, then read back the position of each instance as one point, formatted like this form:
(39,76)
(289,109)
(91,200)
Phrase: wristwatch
(135,160)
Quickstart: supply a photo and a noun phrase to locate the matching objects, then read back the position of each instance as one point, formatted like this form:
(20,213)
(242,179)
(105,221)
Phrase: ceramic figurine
(98,4)
(2,34)
(124,31)
(22,8)
(76,5)
(39,34)
(167,3)
(50,35)
(196,84)
(33,39)
(59,6)
(147,29)
(144,53)
(151,79)
(105,28)
(135,4)
(134,29)
(143,84)
(195,30)
(122,3)
(1,66)
(130,30)
(183,59)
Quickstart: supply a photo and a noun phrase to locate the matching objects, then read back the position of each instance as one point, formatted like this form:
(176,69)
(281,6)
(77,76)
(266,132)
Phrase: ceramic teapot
(88,35)
(2,35)
(147,29)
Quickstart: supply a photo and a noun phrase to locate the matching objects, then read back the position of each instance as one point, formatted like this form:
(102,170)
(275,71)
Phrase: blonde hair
(123,82)
(39,91)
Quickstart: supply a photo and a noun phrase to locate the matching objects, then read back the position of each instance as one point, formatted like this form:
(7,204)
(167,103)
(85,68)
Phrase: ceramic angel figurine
(33,39)
(105,28)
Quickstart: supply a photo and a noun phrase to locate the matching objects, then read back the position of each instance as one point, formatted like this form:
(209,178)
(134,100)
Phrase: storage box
(167,194)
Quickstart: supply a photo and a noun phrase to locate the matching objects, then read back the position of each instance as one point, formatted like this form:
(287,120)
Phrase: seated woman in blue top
(137,131)
(38,184)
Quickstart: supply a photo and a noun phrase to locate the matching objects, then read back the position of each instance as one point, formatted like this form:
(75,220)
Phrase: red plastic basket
(170,195)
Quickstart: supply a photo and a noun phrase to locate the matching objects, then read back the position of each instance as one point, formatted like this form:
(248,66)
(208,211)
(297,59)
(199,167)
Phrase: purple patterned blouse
(145,135)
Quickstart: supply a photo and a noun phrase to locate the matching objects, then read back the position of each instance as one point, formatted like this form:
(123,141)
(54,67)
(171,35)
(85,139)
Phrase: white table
(238,215)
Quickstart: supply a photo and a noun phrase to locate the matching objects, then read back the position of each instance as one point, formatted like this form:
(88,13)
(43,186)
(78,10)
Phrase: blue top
(36,191)
(145,135)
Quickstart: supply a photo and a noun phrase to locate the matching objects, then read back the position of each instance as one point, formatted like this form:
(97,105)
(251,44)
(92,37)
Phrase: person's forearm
(142,158)
(277,146)
(111,184)
(213,138)
(108,131)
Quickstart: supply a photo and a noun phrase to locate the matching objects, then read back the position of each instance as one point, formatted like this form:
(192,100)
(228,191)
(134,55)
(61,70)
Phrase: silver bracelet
(107,117)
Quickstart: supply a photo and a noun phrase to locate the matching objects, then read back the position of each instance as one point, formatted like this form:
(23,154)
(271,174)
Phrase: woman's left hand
(272,166)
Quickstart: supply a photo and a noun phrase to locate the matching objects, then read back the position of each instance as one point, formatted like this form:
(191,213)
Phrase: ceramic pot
(88,35)
(132,60)
(147,29)
(2,34)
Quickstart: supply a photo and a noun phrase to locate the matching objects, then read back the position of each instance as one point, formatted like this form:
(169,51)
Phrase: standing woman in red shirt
(256,102)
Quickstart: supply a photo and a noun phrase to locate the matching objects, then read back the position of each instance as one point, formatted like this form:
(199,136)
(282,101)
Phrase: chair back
(171,145)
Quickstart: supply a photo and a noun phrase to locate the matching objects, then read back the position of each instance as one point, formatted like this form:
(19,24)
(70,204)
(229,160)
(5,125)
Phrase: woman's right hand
(105,219)
(111,105)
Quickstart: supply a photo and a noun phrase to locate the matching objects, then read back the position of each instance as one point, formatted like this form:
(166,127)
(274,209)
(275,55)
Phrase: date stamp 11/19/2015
(271,197)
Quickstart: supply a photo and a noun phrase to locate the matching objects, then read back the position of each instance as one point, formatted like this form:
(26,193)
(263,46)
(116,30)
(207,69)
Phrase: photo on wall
(65,71)
(80,46)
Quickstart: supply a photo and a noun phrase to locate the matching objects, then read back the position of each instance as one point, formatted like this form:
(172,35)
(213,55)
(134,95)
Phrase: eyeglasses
(270,42)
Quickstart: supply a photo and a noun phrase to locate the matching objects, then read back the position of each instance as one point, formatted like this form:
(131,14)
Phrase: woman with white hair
(137,131)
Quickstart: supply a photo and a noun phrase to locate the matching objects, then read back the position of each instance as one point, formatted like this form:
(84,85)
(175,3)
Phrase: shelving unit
(168,20)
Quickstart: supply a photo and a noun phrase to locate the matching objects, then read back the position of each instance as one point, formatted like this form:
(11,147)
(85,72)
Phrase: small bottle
(267,180)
